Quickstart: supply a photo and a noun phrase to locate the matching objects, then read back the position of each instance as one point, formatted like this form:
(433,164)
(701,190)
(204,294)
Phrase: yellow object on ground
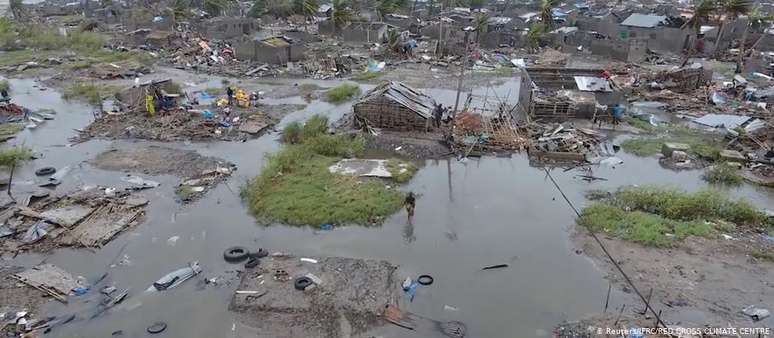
(149,105)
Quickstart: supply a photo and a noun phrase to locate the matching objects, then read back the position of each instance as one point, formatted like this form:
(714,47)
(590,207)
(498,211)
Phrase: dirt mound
(156,160)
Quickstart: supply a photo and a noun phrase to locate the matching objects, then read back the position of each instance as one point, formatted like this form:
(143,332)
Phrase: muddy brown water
(470,214)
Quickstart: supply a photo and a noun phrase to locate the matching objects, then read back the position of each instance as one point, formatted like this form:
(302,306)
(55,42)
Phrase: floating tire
(157,327)
(252,262)
(235,254)
(301,283)
(45,171)
(425,279)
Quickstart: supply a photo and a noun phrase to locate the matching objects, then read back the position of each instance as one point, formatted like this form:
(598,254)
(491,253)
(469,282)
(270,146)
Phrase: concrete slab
(361,167)
(66,216)
(50,279)
(732,156)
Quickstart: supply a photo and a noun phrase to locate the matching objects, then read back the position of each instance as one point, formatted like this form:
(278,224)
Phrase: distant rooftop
(644,20)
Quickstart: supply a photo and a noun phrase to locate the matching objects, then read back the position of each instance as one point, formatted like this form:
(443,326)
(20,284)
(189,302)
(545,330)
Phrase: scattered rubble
(198,174)
(87,218)
(350,295)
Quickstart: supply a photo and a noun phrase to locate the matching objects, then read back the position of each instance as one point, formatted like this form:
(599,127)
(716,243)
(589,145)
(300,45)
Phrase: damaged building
(563,93)
(272,50)
(395,106)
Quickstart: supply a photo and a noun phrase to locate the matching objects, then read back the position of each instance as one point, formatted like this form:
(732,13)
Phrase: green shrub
(4,85)
(342,93)
(401,171)
(12,156)
(723,173)
(291,134)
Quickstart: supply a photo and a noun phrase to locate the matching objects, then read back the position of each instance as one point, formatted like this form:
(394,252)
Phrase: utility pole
(462,68)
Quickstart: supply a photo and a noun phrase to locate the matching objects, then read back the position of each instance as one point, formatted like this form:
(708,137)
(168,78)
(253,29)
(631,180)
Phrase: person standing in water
(410,203)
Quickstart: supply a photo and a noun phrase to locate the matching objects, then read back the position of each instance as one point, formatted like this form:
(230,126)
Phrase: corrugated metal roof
(592,84)
(406,96)
(643,20)
(722,120)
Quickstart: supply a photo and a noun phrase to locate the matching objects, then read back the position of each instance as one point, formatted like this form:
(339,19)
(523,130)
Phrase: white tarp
(592,84)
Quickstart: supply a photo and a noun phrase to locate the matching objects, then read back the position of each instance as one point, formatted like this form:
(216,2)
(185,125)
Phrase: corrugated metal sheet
(643,20)
(592,84)
(403,95)
(722,120)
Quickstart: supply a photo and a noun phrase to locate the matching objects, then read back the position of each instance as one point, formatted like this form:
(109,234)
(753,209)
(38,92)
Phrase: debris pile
(487,133)
(320,296)
(88,218)
(179,124)
(552,142)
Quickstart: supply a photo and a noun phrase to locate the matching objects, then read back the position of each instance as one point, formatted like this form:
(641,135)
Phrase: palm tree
(480,23)
(547,13)
(536,32)
(342,14)
(386,7)
(393,41)
(701,14)
(756,20)
(307,9)
(182,9)
(731,9)
(258,9)
(216,7)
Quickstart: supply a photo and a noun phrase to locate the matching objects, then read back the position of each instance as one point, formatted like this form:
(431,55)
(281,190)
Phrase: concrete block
(732,156)
(668,148)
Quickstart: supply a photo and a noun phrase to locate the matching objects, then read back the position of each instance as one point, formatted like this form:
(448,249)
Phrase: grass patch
(657,216)
(295,132)
(12,156)
(762,255)
(705,145)
(9,130)
(295,186)
(308,87)
(342,93)
(640,124)
(366,76)
(88,92)
(5,85)
(215,91)
(723,173)
(640,227)
(401,171)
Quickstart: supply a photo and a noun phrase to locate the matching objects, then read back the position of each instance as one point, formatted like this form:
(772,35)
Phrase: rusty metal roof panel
(406,96)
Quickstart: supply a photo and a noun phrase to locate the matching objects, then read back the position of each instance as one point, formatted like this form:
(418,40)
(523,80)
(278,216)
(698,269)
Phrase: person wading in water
(410,203)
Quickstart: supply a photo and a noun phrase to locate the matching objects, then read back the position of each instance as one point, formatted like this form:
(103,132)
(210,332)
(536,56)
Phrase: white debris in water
(173,240)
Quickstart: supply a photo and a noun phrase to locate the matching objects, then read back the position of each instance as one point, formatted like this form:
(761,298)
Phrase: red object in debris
(469,122)
(606,74)
(12,109)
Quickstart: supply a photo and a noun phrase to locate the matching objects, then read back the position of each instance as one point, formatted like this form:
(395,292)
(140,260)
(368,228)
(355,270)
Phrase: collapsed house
(356,31)
(164,92)
(222,28)
(395,106)
(272,50)
(563,93)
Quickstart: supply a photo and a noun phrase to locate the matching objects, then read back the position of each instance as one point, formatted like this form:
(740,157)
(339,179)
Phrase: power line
(607,253)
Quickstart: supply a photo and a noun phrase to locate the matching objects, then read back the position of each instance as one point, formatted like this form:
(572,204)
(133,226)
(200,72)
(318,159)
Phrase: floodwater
(470,214)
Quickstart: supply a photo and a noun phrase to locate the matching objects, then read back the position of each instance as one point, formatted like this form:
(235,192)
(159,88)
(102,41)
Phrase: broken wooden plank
(66,216)
(96,231)
(50,279)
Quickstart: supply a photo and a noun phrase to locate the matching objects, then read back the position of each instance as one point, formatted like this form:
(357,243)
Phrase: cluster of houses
(625,32)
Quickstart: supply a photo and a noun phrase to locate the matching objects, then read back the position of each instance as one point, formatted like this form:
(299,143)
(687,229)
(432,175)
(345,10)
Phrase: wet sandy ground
(469,215)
